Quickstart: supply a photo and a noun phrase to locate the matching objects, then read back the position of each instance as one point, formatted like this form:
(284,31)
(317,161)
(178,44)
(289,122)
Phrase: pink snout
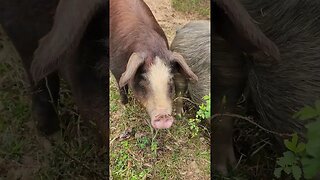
(162,121)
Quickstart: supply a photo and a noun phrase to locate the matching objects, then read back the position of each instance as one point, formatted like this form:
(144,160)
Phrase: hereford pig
(193,43)
(250,35)
(73,37)
(140,59)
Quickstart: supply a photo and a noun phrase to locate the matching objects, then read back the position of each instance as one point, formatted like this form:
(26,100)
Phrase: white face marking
(159,77)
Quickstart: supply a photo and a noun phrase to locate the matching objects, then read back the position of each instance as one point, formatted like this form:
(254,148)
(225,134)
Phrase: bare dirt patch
(169,19)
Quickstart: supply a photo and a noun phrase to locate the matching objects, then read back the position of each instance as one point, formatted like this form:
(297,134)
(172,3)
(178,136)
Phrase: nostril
(157,120)
(163,118)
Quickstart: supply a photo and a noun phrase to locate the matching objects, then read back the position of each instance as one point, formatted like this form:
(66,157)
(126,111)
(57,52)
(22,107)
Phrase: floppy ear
(234,24)
(176,57)
(70,22)
(135,61)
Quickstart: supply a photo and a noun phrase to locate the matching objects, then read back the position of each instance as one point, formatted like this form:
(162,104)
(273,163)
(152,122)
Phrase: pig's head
(151,80)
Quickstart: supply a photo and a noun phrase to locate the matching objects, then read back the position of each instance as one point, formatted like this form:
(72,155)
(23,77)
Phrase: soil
(169,19)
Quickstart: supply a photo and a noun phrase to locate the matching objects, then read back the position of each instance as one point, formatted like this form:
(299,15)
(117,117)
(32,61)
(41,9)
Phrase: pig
(192,41)
(272,49)
(66,38)
(140,59)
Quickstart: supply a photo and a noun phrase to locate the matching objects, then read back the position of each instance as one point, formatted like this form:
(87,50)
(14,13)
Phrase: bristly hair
(280,91)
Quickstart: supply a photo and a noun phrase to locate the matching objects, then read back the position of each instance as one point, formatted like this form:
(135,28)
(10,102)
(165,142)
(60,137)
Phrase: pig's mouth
(162,121)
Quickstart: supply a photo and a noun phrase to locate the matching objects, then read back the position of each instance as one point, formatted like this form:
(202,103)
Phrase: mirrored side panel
(265,89)
(53,89)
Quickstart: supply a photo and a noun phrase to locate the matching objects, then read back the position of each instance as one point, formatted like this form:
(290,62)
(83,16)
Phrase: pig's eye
(143,83)
(173,65)
(143,80)
(141,88)
(144,76)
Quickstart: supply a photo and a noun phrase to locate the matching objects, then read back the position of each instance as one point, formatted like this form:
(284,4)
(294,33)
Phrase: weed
(143,142)
(154,147)
(303,159)
(202,114)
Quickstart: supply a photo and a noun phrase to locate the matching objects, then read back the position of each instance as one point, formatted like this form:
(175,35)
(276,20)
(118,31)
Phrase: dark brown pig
(272,49)
(74,38)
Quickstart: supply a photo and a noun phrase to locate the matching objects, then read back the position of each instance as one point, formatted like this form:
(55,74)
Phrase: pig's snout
(162,121)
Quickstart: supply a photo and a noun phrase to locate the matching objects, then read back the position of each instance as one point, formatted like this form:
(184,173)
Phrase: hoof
(226,158)
(124,100)
(179,111)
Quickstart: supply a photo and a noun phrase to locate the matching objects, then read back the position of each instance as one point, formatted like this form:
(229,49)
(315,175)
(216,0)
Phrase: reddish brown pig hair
(134,29)
(140,58)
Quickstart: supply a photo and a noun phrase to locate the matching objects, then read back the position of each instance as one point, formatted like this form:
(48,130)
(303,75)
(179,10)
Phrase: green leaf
(287,170)
(313,145)
(296,172)
(154,147)
(281,162)
(277,172)
(206,97)
(291,145)
(310,167)
(289,158)
(294,139)
(313,149)
(301,147)
(207,115)
(306,113)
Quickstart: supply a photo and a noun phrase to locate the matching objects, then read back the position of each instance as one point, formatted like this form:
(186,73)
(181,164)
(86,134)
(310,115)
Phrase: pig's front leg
(180,83)
(124,94)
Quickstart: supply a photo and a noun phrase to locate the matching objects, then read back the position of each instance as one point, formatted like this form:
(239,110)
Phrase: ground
(137,151)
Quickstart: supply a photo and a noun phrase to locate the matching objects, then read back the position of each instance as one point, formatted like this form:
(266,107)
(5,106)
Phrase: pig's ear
(70,22)
(234,24)
(176,57)
(135,61)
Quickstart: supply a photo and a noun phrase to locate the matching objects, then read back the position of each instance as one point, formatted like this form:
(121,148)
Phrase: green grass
(200,7)
(146,153)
